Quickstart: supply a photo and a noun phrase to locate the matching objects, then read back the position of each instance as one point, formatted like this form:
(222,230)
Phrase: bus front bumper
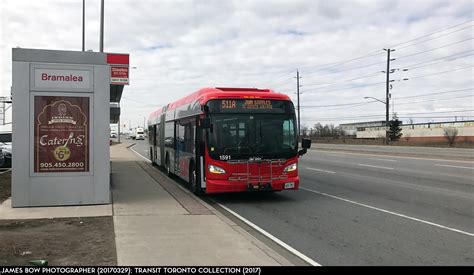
(225,186)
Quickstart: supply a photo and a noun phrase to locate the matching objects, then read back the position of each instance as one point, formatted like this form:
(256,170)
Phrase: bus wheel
(152,157)
(192,180)
(167,165)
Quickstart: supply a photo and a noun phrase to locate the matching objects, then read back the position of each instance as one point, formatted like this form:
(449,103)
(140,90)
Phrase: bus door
(185,147)
(200,149)
(161,141)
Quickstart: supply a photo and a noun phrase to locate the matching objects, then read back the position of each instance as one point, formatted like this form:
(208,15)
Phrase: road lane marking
(270,236)
(373,166)
(392,160)
(139,154)
(390,212)
(319,170)
(392,156)
(3,172)
(453,166)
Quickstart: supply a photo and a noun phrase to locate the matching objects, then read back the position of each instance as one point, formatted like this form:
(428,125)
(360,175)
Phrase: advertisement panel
(61,134)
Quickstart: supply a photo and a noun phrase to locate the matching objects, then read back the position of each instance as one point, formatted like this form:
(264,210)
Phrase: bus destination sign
(247,104)
(250,105)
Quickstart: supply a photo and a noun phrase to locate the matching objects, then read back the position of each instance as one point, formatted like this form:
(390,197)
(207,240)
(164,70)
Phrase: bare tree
(304,130)
(450,134)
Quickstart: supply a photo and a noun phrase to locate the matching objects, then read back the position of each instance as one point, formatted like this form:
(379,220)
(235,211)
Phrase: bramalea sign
(119,75)
(52,78)
(61,140)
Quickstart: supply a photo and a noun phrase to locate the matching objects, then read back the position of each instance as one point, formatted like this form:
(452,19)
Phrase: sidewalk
(158,223)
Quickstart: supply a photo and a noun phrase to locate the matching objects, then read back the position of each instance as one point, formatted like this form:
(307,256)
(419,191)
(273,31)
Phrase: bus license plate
(289,185)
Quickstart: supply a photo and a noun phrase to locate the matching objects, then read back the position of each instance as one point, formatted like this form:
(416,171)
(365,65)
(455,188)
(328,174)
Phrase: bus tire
(192,180)
(167,166)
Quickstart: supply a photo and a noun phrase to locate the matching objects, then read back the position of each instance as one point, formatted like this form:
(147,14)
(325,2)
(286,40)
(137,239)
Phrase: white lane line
(373,166)
(392,156)
(3,172)
(319,170)
(140,154)
(391,160)
(390,212)
(453,166)
(273,238)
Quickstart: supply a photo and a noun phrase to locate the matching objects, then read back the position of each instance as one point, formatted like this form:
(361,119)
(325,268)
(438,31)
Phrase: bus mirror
(302,152)
(206,123)
(306,143)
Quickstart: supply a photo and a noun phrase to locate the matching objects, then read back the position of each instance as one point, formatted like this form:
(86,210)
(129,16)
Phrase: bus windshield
(241,136)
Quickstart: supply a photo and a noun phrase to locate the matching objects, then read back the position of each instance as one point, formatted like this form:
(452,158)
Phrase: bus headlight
(216,169)
(290,168)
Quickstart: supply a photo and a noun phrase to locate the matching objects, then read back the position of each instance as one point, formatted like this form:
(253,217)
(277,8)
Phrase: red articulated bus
(228,140)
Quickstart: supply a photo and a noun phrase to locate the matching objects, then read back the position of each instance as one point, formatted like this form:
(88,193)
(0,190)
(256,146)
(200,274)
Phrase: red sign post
(61,140)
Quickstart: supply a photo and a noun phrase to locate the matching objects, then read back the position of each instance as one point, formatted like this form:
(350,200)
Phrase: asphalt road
(357,209)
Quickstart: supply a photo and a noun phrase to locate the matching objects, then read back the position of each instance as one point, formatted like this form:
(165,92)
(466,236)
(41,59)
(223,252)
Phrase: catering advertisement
(61,134)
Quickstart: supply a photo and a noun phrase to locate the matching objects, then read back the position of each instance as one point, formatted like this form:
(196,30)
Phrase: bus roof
(193,102)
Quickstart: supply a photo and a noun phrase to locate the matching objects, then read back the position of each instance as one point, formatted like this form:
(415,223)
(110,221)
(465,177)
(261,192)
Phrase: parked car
(5,149)
(5,155)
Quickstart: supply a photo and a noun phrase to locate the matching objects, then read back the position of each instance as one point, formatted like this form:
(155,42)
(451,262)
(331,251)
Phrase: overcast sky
(178,47)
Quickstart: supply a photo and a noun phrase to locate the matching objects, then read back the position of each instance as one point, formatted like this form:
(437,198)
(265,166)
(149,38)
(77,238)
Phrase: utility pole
(83,25)
(102,26)
(298,101)
(387,94)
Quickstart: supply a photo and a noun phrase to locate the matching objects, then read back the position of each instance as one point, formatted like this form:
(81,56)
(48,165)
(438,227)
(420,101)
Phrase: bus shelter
(61,117)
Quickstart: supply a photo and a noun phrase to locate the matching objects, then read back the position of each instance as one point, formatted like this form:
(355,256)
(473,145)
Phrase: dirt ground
(62,242)
(5,186)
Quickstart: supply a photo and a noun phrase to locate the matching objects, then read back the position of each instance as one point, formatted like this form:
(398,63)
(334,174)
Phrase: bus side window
(157,135)
(189,130)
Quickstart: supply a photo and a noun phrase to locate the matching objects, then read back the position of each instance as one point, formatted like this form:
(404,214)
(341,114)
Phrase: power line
(423,41)
(345,61)
(344,104)
(400,117)
(397,98)
(376,52)
(370,54)
(141,102)
(350,69)
(427,61)
(280,83)
(442,30)
(440,47)
(347,80)
(436,93)
(430,100)
(398,114)
(346,88)
(401,43)
(453,70)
